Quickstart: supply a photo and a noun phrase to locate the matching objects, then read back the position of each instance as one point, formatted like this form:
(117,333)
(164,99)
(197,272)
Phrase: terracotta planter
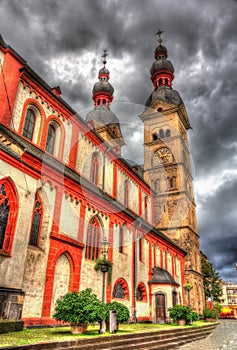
(181,322)
(78,328)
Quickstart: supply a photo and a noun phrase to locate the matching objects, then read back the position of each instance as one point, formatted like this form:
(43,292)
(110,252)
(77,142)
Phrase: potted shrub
(79,309)
(211,315)
(104,265)
(122,312)
(181,314)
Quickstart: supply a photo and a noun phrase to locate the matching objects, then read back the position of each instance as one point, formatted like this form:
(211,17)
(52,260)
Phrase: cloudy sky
(63,42)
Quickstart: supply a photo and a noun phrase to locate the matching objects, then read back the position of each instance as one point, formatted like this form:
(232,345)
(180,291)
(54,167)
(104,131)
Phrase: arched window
(141,292)
(93,240)
(160,81)
(29,125)
(8,215)
(98,101)
(51,137)
(146,208)
(36,221)
(126,193)
(120,290)
(161,133)
(167,133)
(166,81)
(121,239)
(94,174)
(174,298)
(104,101)
(173,182)
(155,136)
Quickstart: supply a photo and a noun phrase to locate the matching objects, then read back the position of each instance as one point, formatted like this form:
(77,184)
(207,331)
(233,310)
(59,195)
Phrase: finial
(159,33)
(104,57)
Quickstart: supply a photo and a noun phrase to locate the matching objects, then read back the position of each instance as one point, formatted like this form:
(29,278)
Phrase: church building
(66,193)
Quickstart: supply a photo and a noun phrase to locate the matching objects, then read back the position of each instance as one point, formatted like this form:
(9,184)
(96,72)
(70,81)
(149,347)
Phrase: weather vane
(104,57)
(159,33)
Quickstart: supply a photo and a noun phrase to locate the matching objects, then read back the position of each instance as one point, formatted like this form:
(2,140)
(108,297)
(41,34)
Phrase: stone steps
(159,340)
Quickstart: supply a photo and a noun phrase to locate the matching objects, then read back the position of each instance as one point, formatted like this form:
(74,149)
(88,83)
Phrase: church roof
(161,276)
(103,115)
(166,94)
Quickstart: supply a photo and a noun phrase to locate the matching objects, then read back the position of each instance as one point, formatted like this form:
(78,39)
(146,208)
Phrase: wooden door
(160,308)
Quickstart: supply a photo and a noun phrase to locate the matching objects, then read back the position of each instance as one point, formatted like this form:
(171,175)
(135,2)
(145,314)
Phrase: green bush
(79,308)
(121,310)
(212,313)
(182,312)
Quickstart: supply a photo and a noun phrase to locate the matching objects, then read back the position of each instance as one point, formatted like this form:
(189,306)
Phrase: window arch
(8,214)
(29,124)
(141,292)
(160,81)
(166,81)
(36,221)
(155,136)
(168,133)
(126,193)
(93,240)
(161,133)
(121,290)
(51,137)
(94,174)
(104,101)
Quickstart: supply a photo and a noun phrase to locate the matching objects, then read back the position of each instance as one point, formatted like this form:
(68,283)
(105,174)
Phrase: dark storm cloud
(200,36)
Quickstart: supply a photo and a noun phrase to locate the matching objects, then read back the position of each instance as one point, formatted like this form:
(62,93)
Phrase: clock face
(163,155)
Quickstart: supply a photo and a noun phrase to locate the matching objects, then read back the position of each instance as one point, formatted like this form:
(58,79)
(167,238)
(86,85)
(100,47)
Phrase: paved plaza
(224,337)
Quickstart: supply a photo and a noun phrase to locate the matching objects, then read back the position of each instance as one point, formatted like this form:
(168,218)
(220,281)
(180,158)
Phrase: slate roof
(161,276)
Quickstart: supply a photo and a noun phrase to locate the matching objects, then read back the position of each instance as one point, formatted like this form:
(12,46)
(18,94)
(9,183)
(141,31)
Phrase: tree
(211,280)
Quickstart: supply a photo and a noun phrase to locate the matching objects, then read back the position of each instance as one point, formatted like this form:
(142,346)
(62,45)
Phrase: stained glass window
(29,125)
(35,227)
(51,139)
(4,213)
(118,291)
(93,240)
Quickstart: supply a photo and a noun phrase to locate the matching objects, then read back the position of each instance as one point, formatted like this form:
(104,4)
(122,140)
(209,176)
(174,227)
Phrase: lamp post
(104,268)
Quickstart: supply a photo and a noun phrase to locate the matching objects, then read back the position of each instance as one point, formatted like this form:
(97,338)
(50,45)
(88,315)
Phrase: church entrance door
(160,308)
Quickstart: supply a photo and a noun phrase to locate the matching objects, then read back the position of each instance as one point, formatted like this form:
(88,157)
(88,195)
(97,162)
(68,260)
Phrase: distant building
(229,304)
(64,188)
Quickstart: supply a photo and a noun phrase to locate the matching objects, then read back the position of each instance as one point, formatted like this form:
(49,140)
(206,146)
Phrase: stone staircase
(169,339)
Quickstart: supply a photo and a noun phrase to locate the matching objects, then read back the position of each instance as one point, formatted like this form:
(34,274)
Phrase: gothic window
(161,133)
(29,125)
(174,298)
(36,221)
(8,215)
(126,193)
(4,213)
(94,175)
(51,137)
(141,292)
(140,249)
(120,290)
(146,208)
(167,133)
(160,81)
(121,239)
(93,240)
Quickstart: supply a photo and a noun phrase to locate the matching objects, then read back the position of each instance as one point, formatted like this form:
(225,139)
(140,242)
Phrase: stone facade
(59,199)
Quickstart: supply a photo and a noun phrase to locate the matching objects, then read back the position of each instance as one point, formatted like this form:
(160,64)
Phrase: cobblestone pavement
(224,337)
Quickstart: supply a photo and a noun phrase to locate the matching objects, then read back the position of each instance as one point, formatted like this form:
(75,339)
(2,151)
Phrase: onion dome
(162,70)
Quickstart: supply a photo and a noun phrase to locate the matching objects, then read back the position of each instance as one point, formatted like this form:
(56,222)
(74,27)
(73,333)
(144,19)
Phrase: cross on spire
(105,54)
(159,34)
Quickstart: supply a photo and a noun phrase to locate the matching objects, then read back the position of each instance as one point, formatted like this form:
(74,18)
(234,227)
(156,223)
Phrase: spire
(162,69)
(103,90)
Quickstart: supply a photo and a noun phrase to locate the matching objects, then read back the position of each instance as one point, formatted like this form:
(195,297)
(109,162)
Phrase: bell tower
(167,167)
